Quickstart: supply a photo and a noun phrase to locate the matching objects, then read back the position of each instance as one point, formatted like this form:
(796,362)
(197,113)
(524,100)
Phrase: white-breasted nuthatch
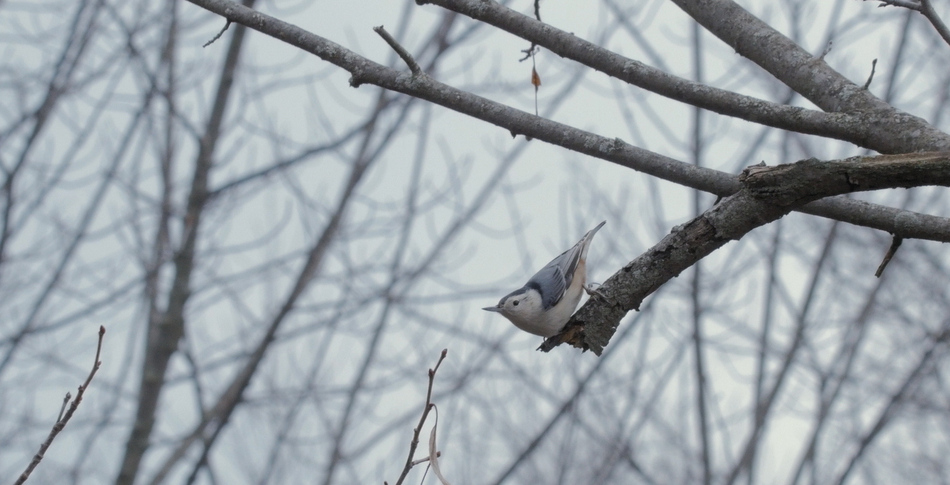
(546,302)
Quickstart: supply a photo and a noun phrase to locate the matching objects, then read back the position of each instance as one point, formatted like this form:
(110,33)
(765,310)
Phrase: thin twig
(873,67)
(900,3)
(61,422)
(896,243)
(63,409)
(226,25)
(927,8)
(827,50)
(403,53)
(418,429)
(425,459)
(531,51)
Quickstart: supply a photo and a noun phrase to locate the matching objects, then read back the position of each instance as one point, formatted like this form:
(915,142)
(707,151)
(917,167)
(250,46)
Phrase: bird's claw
(591,289)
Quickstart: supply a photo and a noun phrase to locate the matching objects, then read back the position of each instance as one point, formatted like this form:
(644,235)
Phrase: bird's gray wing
(554,279)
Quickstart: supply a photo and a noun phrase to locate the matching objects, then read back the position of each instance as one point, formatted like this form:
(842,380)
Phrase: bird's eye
(516,302)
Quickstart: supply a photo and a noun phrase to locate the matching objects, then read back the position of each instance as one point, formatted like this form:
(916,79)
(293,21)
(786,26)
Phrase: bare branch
(895,243)
(787,61)
(63,408)
(808,180)
(218,35)
(837,123)
(166,328)
(395,274)
(867,83)
(613,150)
(911,4)
(897,399)
(403,53)
(927,8)
(769,193)
(61,422)
(422,419)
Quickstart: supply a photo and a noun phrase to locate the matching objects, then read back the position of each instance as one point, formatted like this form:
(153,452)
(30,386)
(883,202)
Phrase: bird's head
(520,306)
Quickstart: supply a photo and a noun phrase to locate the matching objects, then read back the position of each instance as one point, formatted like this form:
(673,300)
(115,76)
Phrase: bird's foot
(592,289)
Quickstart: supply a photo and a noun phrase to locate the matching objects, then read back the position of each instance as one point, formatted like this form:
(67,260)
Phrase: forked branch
(418,429)
(64,418)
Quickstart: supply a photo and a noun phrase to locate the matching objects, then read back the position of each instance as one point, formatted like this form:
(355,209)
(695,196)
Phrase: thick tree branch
(906,224)
(851,121)
(890,130)
(802,182)
(768,194)
(595,323)
(565,44)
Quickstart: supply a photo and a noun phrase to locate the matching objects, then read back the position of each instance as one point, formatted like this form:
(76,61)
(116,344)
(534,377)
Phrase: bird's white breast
(549,323)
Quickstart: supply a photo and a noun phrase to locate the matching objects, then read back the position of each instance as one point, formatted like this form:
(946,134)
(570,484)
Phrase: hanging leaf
(433,454)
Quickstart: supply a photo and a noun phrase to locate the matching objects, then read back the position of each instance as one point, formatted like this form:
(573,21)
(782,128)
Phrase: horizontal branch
(802,182)
(768,193)
(519,122)
(911,4)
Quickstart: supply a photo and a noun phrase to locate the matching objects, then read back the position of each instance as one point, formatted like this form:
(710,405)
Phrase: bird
(546,302)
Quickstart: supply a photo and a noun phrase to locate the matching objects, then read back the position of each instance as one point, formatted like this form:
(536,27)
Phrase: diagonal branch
(565,44)
(919,226)
(927,8)
(888,414)
(813,78)
(768,194)
(64,418)
(846,119)
(414,443)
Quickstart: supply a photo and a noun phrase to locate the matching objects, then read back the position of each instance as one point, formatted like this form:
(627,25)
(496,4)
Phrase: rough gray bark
(768,194)
(520,122)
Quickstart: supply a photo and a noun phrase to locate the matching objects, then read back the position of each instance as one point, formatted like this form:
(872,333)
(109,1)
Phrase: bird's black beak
(492,309)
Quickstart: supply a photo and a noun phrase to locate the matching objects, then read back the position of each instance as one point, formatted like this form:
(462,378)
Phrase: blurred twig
(64,418)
